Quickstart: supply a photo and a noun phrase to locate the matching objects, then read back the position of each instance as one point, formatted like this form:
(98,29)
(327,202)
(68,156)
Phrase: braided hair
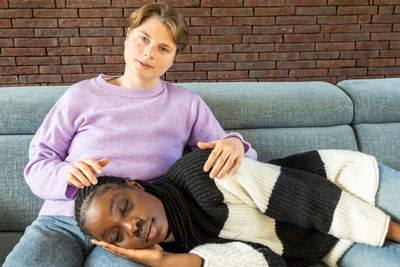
(185,232)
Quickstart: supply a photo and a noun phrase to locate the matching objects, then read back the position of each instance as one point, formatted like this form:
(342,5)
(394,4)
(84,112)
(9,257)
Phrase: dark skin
(131,223)
(136,222)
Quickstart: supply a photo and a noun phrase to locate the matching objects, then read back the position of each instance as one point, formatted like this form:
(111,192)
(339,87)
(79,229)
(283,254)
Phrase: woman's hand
(227,156)
(81,173)
(150,256)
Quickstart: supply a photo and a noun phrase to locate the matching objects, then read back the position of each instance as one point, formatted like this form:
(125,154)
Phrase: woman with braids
(123,122)
(295,211)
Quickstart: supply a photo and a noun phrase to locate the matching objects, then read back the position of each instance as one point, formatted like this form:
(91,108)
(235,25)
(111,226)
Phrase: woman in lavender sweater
(133,125)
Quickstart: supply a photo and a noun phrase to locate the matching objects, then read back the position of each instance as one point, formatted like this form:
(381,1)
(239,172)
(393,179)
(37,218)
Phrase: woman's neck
(126,82)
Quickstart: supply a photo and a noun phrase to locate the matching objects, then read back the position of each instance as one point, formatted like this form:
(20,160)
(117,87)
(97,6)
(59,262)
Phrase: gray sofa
(278,119)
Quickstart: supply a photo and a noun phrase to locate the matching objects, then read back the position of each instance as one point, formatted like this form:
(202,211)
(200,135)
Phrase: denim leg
(100,257)
(388,199)
(50,241)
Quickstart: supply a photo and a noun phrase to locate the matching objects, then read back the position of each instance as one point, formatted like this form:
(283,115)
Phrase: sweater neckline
(128,92)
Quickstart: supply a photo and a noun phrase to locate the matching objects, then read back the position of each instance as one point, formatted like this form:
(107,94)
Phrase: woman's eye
(116,238)
(163,49)
(124,207)
(143,38)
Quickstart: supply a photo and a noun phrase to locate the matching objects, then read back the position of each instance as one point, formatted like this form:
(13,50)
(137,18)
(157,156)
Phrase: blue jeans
(388,200)
(57,241)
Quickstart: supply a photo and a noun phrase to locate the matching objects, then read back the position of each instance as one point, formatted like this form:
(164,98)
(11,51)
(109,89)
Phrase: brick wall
(65,41)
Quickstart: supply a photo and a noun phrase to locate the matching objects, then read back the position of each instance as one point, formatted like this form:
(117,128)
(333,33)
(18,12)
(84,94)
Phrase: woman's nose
(150,50)
(133,226)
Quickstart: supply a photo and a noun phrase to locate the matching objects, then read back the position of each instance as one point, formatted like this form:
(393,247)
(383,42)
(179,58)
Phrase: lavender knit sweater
(142,131)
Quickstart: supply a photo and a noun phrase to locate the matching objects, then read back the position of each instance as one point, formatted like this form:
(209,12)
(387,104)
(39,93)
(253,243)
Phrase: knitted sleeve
(45,171)
(237,254)
(305,199)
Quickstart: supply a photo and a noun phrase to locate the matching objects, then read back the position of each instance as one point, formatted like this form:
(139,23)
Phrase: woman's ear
(134,184)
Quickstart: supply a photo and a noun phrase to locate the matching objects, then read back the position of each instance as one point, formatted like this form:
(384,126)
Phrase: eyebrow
(163,44)
(110,209)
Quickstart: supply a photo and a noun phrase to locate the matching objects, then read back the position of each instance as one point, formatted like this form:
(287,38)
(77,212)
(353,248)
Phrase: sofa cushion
(375,100)
(250,105)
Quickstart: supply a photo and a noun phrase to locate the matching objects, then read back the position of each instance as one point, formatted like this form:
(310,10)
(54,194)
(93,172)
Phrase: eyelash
(122,213)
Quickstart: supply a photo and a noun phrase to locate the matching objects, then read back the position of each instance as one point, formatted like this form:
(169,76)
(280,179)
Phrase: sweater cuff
(247,145)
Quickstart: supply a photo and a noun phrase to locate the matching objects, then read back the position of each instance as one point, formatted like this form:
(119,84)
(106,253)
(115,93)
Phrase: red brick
(31,3)
(294,47)
(221,3)
(115,22)
(73,78)
(272,29)
(36,42)
(103,68)
(371,45)
(397,10)
(359,54)
(88,4)
(307,28)
(253,48)
(56,32)
(82,60)
(19,70)
(396,27)
(231,30)
(111,50)
(99,41)
(357,10)
(350,28)
(337,19)
(7,61)
(194,75)
(61,51)
(15,13)
(34,23)
(389,10)
(305,2)
(75,23)
(386,2)
(116,60)
(334,46)
(234,57)
(390,53)
(38,61)
(212,49)
(254,21)
(394,45)
(293,20)
(385,36)
(182,67)
(386,18)
(275,11)
(5,23)
(335,63)
(280,56)
(100,12)
(376,27)
(256,65)
(204,21)
(60,69)
(16,33)
(364,19)
(40,78)
(196,57)
(319,55)
(265,38)
(23,51)
(264,3)
(345,37)
(308,73)
(375,62)
(199,30)
(220,39)
(106,32)
(304,38)
(304,11)
(184,3)
(6,42)
(130,3)
(296,64)
(8,79)
(55,13)
(384,71)
(232,12)
(60,3)
(228,75)
(272,79)
(268,73)
(348,2)
(3,3)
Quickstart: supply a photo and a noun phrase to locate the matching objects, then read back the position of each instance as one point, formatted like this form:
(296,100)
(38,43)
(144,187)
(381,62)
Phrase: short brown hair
(169,16)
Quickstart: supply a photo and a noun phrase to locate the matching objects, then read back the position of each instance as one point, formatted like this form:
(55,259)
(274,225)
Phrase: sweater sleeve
(307,200)
(206,128)
(237,254)
(45,171)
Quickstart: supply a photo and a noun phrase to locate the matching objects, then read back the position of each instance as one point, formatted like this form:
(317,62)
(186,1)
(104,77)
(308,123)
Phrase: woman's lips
(148,231)
(144,65)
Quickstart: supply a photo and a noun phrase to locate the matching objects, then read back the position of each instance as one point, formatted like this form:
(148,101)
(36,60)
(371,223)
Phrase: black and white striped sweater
(293,211)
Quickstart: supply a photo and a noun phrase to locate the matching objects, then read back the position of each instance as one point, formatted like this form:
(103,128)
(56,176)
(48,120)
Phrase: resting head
(119,211)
